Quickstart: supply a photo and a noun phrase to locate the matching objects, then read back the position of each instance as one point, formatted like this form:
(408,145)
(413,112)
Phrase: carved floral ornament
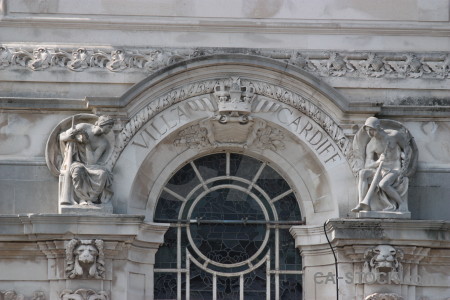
(325,64)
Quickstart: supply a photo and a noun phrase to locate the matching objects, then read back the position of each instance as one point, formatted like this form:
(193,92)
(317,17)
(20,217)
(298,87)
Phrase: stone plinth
(384,215)
(92,209)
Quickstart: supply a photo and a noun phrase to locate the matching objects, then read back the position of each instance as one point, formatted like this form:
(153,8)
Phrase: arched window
(229,238)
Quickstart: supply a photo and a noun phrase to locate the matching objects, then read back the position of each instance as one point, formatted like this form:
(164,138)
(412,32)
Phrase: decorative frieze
(85,259)
(234,100)
(322,63)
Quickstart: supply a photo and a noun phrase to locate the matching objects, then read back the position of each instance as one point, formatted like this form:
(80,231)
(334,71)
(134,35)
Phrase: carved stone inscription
(308,131)
(159,126)
(305,128)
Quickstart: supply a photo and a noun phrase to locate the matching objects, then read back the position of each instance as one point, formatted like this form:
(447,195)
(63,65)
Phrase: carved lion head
(85,259)
(383,258)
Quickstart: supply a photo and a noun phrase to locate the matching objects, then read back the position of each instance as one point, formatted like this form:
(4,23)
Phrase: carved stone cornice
(358,64)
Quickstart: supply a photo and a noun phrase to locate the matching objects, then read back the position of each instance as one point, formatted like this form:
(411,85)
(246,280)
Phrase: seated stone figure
(85,149)
(388,155)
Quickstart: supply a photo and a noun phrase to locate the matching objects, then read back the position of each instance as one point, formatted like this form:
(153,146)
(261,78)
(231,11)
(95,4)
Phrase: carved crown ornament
(321,63)
(234,100)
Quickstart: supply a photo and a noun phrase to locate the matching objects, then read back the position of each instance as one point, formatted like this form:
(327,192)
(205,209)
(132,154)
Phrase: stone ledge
(43,226)
(343,232)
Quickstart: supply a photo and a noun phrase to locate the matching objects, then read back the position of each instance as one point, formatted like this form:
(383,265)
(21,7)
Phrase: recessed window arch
(229,237)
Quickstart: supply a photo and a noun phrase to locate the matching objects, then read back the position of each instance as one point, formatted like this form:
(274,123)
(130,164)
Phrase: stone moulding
(390,65)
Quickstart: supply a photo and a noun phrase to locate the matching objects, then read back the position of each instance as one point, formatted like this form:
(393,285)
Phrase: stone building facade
(224,150)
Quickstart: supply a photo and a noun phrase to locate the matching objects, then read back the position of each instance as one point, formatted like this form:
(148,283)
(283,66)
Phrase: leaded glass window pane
(224,241)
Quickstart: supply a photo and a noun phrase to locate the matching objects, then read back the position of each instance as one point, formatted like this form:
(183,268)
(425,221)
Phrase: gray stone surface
(319,69)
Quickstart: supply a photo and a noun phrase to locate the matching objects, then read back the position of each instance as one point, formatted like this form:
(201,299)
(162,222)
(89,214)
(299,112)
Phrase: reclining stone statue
(388,156)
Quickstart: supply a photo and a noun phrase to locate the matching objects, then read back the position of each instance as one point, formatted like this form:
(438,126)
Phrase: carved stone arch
(316,158)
